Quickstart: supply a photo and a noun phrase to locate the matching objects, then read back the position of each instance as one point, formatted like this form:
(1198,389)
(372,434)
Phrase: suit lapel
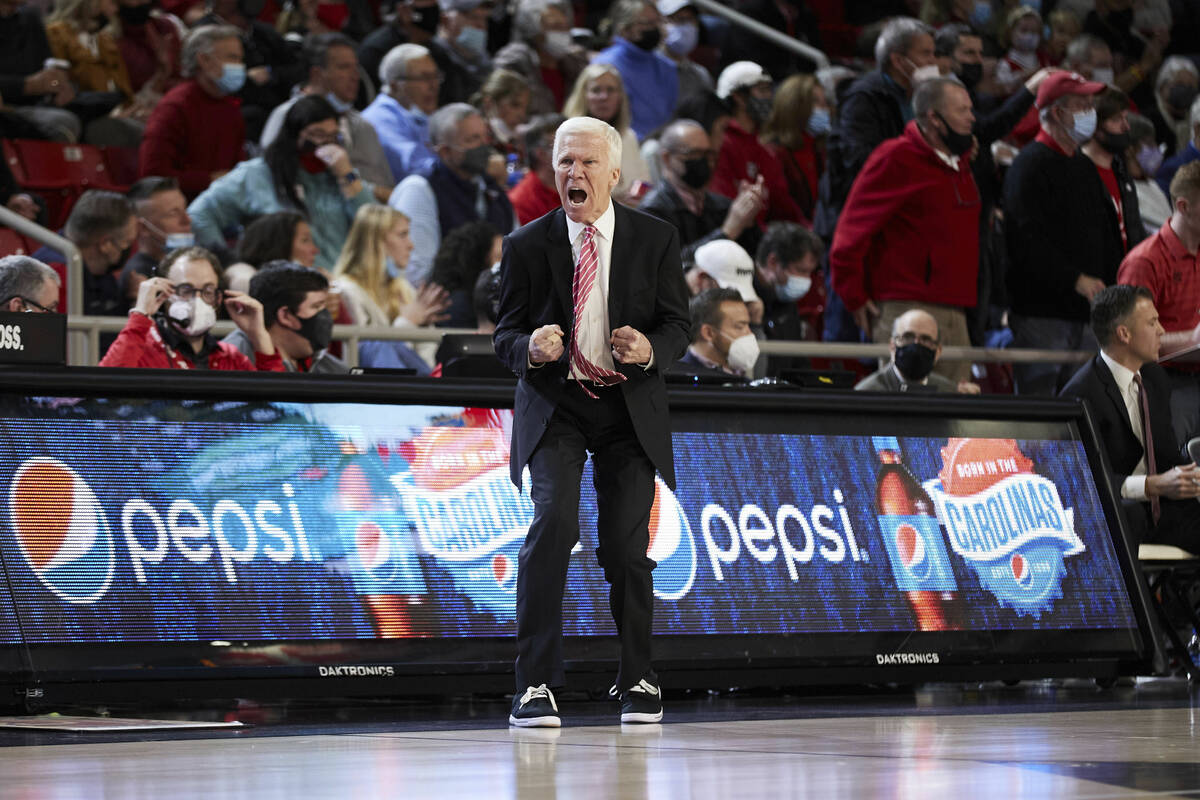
(618,265)
(1114,394)
(561,263)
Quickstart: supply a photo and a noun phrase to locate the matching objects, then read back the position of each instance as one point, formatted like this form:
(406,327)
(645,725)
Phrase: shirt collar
(604,225)
(1121,374)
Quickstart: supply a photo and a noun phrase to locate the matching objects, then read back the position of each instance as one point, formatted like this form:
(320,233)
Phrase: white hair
(1172,68)
(898,36)
(591,127)
(395,64)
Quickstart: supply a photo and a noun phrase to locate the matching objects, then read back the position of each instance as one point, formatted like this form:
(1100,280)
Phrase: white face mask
(557,43)
(1103,75)
(743,354)
(1083,125)
(796,287)
(192,317)
(926,73)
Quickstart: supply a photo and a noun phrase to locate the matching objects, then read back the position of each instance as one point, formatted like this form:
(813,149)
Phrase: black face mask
(134,15)
(475,160)
(317,329)
(427,19)
(915,361)
(649,39)
(970,74)
(957,143)
(1180,97)
(1114,143)
(696,172)
(759,108)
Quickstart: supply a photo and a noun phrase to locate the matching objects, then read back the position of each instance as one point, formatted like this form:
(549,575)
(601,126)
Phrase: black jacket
(646,291)
(664,202)
(1059,223)
(23,51)
(870,113)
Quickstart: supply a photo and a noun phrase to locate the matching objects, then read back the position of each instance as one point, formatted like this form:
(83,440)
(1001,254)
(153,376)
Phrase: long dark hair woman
(305,169)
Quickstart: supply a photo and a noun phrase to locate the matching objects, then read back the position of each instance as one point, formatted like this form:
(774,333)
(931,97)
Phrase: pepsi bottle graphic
(913,538)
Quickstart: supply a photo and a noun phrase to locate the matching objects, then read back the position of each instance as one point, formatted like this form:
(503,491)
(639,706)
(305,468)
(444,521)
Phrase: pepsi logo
(61,530)
(504,570)
(373,545)
(910,545)
(672,546)
(1021,572)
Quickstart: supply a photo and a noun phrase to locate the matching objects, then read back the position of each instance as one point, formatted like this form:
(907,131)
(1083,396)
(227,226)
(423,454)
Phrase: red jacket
(141,346)
(531,198)
(910,228)
(190,135)
(743,158)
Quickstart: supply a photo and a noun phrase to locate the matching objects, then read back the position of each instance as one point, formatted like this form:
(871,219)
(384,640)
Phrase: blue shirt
(651,81)
(404,135)
(1169,167)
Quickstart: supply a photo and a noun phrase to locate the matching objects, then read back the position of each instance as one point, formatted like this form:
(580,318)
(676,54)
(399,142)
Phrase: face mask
(981,16)
(339,105)
(473,40)
(1150,159)
(309,161)
(759,108)
(1103,75)
(915,361)
(1025,41)
(649,39)
(819,123)
(318,329)
(557,43)
(957,143)
(475,160)
(176,241)
(1180,97)
(682,39)
(926,73)
(696,172)
(134,15)
(192,317)
(796,287)
(232,78)
(1083,126)
(970,74)
(743,353)
(122,257)
(393,270)
(427,19)
(1114,143)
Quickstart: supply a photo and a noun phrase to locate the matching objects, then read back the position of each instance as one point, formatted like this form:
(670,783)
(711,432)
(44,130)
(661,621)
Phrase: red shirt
(1114,190)
(140,345)
(1171,273)
(190,135)
(744,158)
(531,198)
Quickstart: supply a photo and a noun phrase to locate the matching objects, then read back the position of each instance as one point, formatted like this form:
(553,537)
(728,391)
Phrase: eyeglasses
(922,339)
(319,140)
(185,291)
(431,77)
(33,304)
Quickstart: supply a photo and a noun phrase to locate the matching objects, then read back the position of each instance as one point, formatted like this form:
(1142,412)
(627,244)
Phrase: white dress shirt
(1134,487)
(592,331)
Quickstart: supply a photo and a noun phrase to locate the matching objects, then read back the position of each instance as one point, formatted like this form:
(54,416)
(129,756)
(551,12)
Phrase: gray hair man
(27,284)
(410,80)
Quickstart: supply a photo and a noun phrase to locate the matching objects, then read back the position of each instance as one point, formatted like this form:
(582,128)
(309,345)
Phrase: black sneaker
(535,709)
(642,702)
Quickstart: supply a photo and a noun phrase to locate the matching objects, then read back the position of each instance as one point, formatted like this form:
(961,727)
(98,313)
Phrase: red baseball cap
(1064,83)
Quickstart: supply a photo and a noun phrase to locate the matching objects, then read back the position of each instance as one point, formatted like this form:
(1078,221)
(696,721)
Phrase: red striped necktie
(581,289)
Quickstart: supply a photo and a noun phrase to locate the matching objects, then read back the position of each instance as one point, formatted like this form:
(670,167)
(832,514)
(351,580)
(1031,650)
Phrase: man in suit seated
(1125,388)
(915,348)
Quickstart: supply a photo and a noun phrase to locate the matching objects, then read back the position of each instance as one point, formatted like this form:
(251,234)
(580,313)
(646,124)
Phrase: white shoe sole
(635,716)
(537,722)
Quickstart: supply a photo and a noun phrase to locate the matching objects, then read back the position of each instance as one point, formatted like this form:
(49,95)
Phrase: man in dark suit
(593,307)
(1124,387)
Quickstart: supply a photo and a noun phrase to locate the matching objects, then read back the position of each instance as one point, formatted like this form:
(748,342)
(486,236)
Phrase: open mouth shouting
(577,197)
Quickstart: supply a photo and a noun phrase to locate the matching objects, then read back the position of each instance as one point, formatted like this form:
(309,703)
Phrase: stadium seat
(58,172)
(13,243)
(122,163)
(1170,573)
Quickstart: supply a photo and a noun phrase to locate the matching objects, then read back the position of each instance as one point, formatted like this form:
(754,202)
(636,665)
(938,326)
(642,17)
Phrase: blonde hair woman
(370,273)
(599,92)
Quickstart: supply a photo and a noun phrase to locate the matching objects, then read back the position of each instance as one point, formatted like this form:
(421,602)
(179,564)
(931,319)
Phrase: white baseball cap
(727,263)
(740,75)
(669,7)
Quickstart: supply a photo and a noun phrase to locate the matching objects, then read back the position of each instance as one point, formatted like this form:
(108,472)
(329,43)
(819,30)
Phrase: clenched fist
(545,344)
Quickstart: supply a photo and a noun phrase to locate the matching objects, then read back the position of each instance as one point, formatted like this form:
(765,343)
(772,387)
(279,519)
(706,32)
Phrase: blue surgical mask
(233,78)
(682,38)
(981,15)
(796,287)
(1084,125)
(1150,158)
(175,241)
(393,270)
(473,39)
(818,122)
(339,105)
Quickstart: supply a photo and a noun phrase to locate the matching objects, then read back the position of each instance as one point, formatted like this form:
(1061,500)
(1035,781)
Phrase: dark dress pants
(624,481)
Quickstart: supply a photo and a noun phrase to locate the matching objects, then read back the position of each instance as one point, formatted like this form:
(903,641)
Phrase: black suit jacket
(1095,384)
(646,291)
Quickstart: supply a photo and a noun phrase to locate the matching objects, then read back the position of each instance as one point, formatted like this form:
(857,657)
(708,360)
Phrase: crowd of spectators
(991,165)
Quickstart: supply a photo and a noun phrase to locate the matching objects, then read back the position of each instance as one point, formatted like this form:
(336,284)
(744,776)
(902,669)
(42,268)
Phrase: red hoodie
(140,345)
(910,228)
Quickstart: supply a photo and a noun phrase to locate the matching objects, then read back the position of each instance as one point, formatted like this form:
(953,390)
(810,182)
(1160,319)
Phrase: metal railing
(770,34)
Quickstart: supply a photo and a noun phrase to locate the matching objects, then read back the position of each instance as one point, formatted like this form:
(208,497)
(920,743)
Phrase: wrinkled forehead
(581,145)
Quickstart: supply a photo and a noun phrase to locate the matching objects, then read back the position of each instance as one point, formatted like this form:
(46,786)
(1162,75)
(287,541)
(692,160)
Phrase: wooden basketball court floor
(1057,739)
